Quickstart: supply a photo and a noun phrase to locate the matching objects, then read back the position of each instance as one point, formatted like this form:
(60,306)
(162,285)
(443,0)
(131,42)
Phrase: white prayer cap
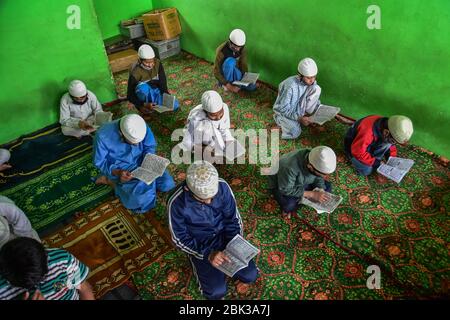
(203,179)
(5,155)
(307,67)
(323,159)
(146,52)
(77,89)
(133,127)
(401,128)
(237,36)
(212,101)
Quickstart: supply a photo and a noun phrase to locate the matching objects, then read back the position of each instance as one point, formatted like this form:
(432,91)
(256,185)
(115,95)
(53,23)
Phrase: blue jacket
(199,229)
(112,152)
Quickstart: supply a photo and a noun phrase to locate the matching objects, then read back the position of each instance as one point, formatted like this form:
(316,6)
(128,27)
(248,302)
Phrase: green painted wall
(111,12)
(401,69)
(39,56)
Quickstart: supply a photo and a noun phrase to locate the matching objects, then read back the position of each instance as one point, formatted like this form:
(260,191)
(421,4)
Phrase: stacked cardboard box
(163,31)
(161,24)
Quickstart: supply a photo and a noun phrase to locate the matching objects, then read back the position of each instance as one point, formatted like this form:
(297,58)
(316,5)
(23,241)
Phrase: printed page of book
(396,168)
(247,79)
(240,252)
(167,104)
(250,77)
(323,207)
(162,109)
(144,175)
(102,118)
(230,268)
(400,163)
(324,113)
(153,162)
(152,167)
(392,173)
(241,249)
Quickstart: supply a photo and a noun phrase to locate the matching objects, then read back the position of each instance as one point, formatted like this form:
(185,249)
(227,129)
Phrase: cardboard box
(122,60)
(162,24)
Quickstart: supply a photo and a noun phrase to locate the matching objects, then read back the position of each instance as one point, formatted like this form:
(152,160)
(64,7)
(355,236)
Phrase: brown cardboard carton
(122,60)
(162,24)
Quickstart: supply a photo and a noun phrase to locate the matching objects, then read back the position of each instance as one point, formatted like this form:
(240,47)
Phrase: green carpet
(403,229)
(59,193)
(36,153)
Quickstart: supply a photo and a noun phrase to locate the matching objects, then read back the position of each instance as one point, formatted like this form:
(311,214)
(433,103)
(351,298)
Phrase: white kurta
(71,114)
(13,222)
(204,131)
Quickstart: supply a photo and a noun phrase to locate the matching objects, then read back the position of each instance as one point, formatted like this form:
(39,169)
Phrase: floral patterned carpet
(403,229)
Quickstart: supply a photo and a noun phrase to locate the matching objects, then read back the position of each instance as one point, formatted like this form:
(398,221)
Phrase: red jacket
(367,134)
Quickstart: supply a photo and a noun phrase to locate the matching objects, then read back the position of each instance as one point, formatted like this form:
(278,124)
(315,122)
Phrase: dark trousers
(212,281)
(361,168)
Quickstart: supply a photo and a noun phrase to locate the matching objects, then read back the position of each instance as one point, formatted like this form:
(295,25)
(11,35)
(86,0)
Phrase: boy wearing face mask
(77,110)
(147,81)
(298,98)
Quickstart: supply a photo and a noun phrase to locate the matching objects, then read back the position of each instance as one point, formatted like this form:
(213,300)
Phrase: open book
(151,168)
(324,113)
(168,103)
(396,168)
(240,252)
(101,118)
(248,79)
(321,207)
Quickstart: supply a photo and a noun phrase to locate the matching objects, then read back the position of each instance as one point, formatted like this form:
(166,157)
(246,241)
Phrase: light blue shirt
(295,98)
